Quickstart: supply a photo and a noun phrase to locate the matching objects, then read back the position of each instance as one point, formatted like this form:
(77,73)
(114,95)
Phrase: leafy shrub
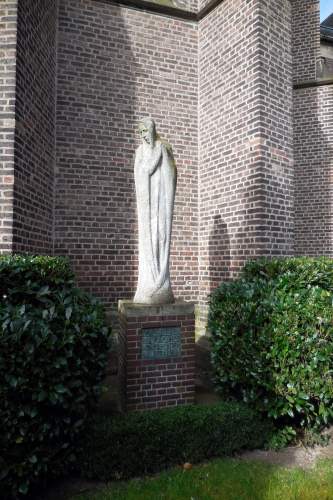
(282,438)
(53,354)
(272,339)
(140,443)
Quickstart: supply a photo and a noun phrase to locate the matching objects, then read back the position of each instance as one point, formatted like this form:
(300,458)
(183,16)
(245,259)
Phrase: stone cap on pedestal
(130,309)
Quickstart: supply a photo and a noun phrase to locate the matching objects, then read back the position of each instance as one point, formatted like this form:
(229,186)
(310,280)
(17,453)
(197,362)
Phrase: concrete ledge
(160,8)
(312,83)
(130,309)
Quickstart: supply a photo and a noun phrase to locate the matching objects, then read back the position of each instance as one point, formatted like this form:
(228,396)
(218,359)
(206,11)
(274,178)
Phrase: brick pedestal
(157,360)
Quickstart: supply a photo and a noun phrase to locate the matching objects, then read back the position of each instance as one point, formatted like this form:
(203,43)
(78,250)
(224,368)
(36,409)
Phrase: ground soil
(293,456)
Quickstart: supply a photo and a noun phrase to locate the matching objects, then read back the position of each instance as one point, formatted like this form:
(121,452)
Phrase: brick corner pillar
(8,35)
(246,177)
(157,359)
(27,125)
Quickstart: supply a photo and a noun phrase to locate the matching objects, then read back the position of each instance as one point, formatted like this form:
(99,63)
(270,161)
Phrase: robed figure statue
(155,183)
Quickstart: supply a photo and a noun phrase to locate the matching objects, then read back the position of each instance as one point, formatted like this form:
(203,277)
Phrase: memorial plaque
(161,343)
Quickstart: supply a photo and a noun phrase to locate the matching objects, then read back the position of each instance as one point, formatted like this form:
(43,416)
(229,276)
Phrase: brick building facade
(116,65)
(34,155)
(232,86)
(8,22)
(313,136)
(245,137)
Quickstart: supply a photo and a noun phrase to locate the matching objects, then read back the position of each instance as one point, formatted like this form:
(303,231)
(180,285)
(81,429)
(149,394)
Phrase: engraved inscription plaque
(161,343)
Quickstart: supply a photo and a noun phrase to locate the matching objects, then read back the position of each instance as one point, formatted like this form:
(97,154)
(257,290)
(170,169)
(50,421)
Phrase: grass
(226,479)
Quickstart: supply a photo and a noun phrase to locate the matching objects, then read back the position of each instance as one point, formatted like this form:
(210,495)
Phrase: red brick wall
(313,139)
(313,126)
(245,130)
(8,23)
(276,162)
(149,384)
(221,89)
(35,126)
(306,38)
(116,65)
(203,3)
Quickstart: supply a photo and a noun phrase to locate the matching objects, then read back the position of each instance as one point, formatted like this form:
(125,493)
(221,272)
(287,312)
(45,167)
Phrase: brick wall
(313,126)
(203,3)
(245,176)
(313,136)
(156,383)
(187,5)
(116,65)
(306,38)
(35,126)
(8,23)
(276,163)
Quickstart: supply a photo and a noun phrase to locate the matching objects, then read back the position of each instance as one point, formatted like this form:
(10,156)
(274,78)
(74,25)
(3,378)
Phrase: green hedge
(54,346)
(272,339)
(139,443)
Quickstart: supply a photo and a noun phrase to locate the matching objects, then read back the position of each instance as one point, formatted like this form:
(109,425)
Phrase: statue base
(157,358)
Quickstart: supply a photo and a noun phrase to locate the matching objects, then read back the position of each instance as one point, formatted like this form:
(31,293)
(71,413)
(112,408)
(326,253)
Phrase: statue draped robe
(155,182)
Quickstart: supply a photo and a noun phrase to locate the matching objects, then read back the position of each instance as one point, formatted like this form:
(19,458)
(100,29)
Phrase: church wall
(35,126)
(187,5)
(8,22)
(220,92)
(306,39)
(313,125)
(245,137)
(203,3)
(275,166)
(313,139)
(116,65)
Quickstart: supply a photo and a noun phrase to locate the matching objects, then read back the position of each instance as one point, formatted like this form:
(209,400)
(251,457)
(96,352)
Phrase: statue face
(146,134)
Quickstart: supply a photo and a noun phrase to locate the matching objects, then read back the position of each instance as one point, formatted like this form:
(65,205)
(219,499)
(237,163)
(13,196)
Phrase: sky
(326,8)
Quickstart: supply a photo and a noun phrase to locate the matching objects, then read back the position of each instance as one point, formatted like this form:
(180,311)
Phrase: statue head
(147,131)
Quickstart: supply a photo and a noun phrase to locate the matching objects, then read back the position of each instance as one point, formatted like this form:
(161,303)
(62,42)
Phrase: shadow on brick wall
(313,136)
(35,126)
(218,272)
(219,253)
(95,196)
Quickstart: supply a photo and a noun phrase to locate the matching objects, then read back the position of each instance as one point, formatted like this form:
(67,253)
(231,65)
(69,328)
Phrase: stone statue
(155,183)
